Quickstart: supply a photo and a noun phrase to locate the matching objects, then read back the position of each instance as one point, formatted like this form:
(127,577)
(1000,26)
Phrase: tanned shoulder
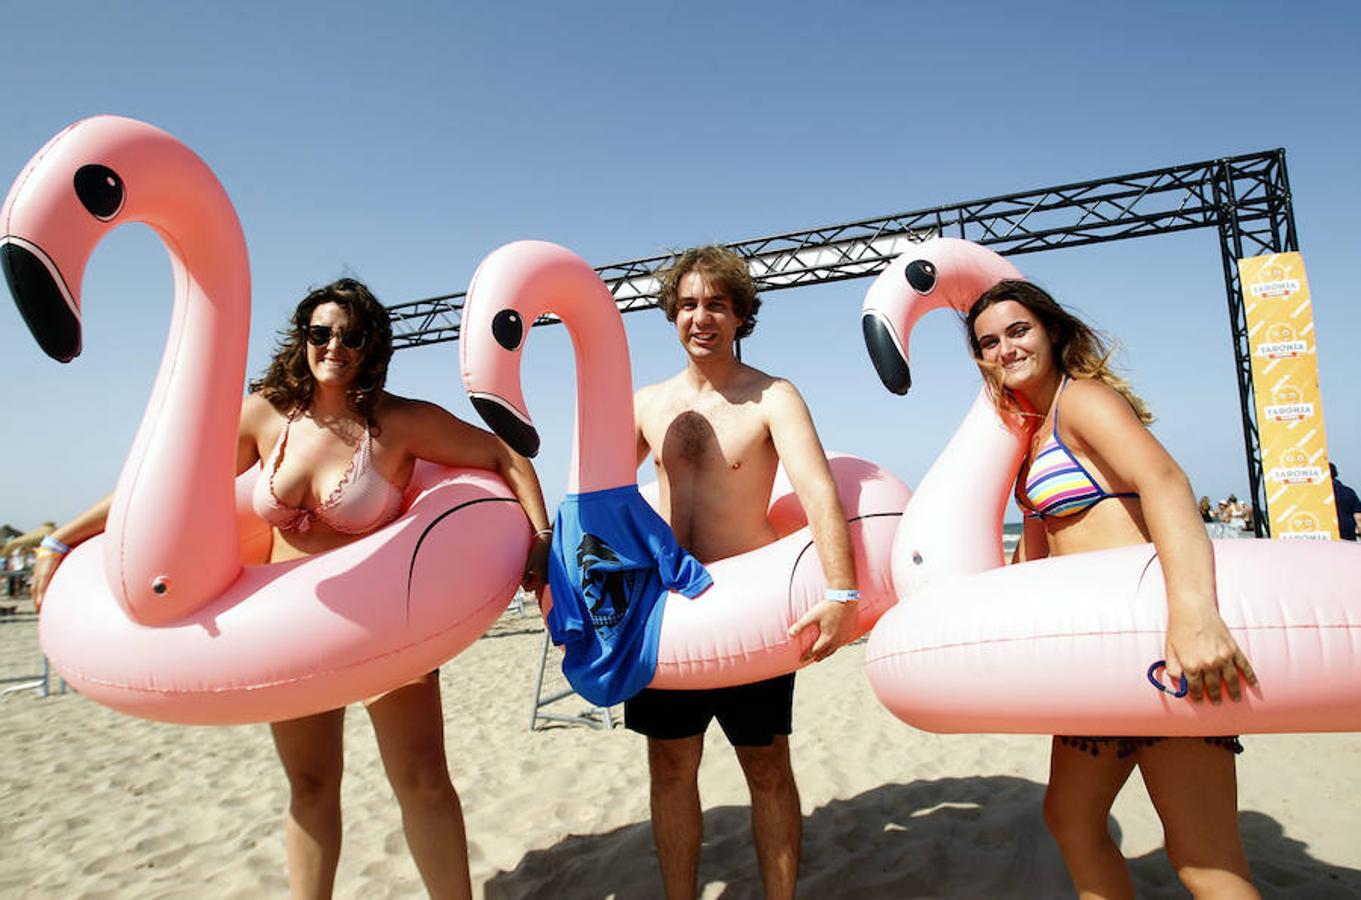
(1090,407)
(256,411)
(1090,396)
(780,390)
(253,405)
(402,413)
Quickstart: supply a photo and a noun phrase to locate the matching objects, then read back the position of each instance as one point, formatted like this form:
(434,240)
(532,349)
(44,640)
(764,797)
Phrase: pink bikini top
(363,500)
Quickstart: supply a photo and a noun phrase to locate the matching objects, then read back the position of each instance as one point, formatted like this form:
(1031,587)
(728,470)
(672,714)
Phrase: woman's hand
(43,569)
(536,567)
(81,528)
(1200,647)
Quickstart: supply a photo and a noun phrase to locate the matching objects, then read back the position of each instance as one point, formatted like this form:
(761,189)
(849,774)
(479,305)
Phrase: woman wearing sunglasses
(337,453)
(1095,477)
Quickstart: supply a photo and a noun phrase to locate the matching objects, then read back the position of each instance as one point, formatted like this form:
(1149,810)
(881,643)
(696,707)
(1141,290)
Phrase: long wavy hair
(1079,350)
(288,383)
(726,270)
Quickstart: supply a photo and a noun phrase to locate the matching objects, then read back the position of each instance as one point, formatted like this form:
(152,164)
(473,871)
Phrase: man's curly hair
(726,270)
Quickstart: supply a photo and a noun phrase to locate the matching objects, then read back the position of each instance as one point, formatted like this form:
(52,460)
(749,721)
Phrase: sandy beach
(97,804)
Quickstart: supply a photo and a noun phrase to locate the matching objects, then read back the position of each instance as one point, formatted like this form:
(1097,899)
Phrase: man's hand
(836,625)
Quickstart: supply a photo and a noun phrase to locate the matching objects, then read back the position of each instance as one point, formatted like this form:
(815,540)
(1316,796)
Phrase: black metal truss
(1247,198)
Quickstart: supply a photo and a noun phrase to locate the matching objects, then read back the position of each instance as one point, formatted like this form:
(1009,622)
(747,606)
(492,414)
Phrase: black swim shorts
(750,714)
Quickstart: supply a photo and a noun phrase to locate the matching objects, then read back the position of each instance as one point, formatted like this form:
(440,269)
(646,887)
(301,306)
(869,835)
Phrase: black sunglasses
(320,336)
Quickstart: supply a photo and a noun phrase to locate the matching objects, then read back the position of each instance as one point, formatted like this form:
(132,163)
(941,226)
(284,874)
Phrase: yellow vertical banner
(1280,320)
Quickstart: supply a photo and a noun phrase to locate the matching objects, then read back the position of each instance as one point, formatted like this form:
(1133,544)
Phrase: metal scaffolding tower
(1247,198)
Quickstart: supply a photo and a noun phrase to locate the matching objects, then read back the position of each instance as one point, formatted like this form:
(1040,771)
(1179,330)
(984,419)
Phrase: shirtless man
(717,431)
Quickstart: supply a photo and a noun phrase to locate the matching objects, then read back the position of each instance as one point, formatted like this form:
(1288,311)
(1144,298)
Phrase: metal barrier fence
(23,667)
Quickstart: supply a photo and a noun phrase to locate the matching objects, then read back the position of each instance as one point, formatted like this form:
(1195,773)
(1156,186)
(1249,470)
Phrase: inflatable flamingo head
(514,286)
(937,273)
(90,178)
(503,302)
(173,512)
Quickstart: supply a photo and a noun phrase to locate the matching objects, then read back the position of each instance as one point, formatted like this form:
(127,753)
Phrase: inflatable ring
(161,616)
(992,632)
(737,630)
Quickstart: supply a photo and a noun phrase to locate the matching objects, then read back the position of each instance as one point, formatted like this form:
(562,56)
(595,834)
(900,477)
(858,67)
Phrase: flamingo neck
(952,524)
(604,444)
(173,515)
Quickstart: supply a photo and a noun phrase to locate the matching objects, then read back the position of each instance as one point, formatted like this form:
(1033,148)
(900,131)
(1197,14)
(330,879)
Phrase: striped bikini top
(1055,483)
(361,502)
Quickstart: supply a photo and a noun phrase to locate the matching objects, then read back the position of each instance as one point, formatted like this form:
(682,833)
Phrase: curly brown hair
(288,383)
(726,270)
(1079,350)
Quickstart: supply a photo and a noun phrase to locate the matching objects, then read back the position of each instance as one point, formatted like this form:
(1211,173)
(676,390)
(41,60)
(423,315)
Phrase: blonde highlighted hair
(1079,350)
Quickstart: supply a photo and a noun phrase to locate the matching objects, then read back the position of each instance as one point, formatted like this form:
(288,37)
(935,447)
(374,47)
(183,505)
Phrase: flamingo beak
(888,357)
(507,423)
(48,306)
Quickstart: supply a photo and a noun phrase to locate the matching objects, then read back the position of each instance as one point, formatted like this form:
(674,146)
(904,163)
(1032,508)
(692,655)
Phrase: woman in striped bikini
(1094,478)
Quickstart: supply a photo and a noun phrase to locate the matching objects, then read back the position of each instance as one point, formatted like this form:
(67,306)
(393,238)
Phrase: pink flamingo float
(171,614)
(736,631)
(1065,645)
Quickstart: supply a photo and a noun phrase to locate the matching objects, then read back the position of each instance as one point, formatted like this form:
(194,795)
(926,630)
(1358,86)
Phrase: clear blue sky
(401,145)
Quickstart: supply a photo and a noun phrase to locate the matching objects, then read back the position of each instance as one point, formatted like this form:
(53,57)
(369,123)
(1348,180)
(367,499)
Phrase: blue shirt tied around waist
(613,560)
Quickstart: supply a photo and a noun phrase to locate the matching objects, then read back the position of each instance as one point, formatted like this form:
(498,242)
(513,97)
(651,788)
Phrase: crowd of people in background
(18,553)
(18,565)
(1229,518)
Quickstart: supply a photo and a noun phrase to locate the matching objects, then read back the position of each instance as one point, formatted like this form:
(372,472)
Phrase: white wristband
(842,596)
(50,543)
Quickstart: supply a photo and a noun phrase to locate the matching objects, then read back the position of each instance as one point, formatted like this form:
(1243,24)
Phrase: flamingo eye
(921,275)
(100,190)
(508,328)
